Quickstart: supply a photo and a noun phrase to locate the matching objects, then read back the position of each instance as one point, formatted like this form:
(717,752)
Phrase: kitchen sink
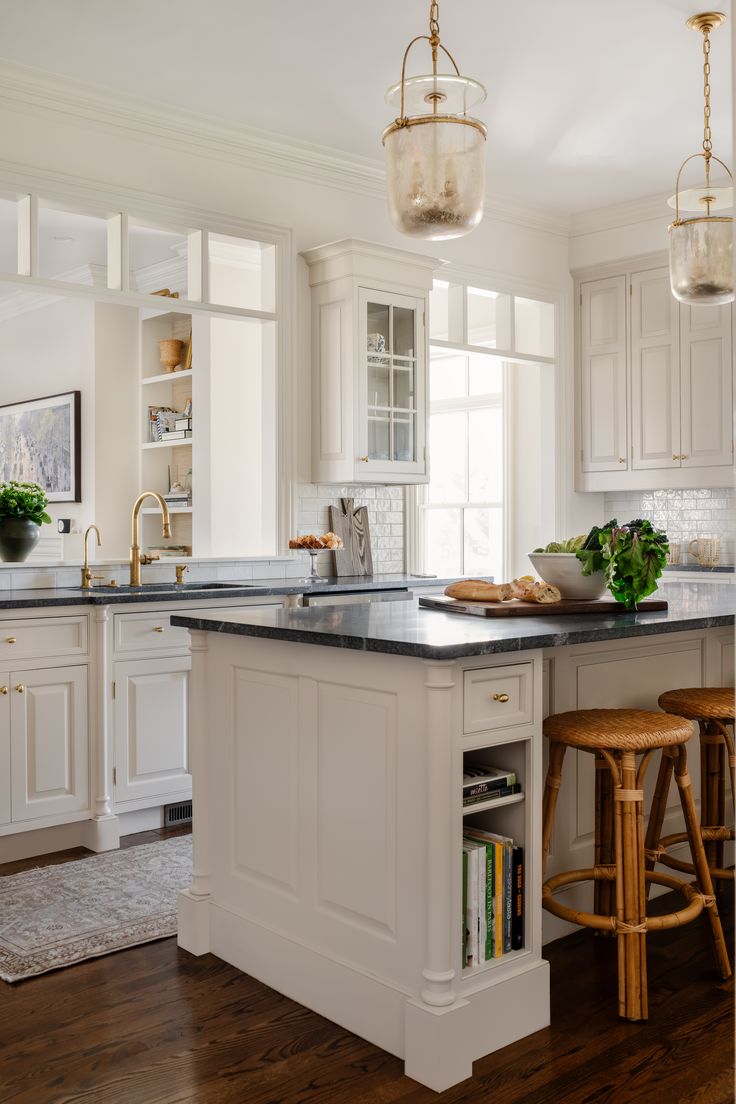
(174,588)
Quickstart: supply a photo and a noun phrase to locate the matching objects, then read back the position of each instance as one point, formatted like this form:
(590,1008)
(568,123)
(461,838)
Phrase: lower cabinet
(151,728)
(43,718)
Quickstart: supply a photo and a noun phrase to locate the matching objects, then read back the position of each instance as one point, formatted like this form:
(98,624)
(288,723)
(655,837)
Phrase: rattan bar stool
(713,708)
(616,737)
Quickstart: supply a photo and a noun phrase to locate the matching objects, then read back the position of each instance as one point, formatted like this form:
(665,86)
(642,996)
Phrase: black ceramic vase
(18,538)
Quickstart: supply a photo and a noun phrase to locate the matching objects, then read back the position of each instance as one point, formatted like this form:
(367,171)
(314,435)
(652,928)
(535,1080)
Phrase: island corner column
(193,929)
(437,1024)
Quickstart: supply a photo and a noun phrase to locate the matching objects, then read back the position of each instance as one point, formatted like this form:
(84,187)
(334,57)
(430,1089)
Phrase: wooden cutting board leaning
(351,525)
(515,608)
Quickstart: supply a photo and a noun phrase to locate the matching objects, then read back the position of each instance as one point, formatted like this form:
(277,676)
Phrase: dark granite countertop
(403,628)
(196,591)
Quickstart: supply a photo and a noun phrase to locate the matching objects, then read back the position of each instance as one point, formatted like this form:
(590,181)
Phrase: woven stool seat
(617,729)
(700,702)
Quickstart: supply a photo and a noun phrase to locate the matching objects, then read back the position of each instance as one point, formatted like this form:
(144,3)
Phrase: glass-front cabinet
(369,363)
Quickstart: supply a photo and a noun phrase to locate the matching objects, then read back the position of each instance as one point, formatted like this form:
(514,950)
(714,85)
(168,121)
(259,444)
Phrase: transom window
(491,376)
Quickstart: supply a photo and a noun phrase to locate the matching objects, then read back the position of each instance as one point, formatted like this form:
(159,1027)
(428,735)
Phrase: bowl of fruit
(557,563)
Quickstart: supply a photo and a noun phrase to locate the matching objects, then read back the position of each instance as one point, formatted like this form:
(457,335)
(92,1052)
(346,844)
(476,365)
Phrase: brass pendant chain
(707,143)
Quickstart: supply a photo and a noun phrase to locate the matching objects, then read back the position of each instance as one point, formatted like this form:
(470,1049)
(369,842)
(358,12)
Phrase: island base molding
(438,1045)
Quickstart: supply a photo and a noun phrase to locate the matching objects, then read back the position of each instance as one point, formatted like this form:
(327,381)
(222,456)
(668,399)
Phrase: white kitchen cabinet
(151,733)
(603,374)
(48,741)
(5,807)
(369,363)
(655,385)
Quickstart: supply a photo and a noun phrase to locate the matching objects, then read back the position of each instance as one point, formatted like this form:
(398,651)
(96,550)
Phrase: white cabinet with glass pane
(369,363)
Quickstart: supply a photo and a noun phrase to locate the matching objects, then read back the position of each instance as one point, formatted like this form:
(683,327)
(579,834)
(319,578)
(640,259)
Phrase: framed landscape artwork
(40,442)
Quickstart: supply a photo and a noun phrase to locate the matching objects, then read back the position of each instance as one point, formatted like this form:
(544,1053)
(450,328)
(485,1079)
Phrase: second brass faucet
(87,575)
(136,556)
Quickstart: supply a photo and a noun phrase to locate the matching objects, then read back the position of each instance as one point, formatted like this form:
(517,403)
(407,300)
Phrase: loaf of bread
(527,590)
(476,590)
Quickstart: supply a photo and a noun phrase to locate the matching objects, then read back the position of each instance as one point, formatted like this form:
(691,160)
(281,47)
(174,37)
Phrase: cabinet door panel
(4,750)
(603,364)
(151,728)
(706,381)
(655,376)
(49,758)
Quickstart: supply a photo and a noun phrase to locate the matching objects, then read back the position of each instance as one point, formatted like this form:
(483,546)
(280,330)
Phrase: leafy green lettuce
(631,556)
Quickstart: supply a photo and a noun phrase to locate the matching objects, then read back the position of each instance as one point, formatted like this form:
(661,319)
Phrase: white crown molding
(648,209)
(36,91)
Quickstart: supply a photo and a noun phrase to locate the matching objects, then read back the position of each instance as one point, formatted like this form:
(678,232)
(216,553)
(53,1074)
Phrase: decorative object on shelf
(22,513)
(170,352)
(167,292)
(706,550)
(376,343)
(351,525)
(187,360)
(701,247)
(41,442)
(673,556)
(435,151)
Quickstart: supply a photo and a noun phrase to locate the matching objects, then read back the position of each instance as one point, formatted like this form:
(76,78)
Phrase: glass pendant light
(435,151)
(701,248)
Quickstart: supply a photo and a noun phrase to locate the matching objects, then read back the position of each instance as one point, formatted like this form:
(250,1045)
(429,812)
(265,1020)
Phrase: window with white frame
(491,432)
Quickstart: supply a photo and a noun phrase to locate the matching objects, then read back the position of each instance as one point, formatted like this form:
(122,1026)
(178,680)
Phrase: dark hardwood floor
(153,1025)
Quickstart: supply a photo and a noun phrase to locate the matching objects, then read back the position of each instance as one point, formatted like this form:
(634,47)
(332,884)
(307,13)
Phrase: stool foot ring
(718,873)
(696,902)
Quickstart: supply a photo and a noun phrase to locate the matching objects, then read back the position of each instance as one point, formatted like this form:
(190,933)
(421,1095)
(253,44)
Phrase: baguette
(475,590)
(527,590)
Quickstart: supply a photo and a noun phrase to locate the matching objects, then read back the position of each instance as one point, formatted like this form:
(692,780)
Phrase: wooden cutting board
(351,525)
(604,607)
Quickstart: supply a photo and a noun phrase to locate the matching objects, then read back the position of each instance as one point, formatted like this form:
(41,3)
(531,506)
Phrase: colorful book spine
(498,901)
(508,893)
(482,915)
(517,914)
(490,795)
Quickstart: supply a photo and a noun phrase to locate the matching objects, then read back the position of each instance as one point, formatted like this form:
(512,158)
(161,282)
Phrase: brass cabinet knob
(3,689)
(158,628)
(676,456)
(684,456)
(503,698)
(20,688)
(622,459)
(364,459)
(10,640)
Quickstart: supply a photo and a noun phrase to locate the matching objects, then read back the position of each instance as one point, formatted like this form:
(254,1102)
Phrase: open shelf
(172,510)
(183,442)
(167,377)
(494,803)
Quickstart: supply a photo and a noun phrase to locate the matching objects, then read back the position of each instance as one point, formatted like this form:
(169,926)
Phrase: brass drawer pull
(158,628)
(503,698)
(20,688)
(10,640)
(3,689)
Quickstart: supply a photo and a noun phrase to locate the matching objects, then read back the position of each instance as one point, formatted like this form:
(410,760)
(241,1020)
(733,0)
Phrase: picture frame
(41,442)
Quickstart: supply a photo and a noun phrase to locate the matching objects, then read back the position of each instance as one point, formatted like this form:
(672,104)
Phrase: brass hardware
(158,628)
(364,459)
(87,575)
(180,570)
(622,459)
(167,292)
(20,688)
(684,456)
(3,689)
(136,556)
(114,776)
(503,698)
(113,583)
(675,456)
(10,640)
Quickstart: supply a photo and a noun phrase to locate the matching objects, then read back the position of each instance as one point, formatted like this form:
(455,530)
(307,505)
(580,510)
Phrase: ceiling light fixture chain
(707,142)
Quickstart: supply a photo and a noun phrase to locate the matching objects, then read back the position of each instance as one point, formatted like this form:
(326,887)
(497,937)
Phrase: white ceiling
(590,102)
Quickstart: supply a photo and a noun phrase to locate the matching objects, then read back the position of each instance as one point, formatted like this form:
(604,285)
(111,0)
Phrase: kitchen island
(327,757)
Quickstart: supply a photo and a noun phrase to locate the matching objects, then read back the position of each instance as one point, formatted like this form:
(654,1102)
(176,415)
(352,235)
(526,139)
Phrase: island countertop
(405,629)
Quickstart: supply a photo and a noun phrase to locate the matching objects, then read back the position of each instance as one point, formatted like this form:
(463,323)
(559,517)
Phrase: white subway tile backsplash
(683,514)
(385,518)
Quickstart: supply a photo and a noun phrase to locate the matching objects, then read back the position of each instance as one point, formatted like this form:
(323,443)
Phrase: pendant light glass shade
(701,248)
(435,151)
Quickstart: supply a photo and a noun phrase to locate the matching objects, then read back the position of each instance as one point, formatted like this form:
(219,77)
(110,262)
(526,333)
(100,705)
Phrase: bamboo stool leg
(549,801)
(630,898)
(603,889)
(709,786)
(659,808)
(700,862)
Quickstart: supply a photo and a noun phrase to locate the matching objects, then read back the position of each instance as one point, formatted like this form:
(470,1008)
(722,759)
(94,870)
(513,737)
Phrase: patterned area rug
(58,915)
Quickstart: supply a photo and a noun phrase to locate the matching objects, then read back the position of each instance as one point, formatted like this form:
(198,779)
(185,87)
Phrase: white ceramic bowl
(565,571)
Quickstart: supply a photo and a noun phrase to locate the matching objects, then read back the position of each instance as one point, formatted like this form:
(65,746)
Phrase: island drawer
(497,697)
(42,638)
(143,632)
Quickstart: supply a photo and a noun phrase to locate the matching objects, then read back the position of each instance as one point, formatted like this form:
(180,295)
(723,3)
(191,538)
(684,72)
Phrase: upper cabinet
(654,386)
(369,363)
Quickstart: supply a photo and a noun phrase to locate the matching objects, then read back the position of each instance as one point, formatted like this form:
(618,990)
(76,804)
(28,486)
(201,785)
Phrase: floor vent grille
(181,813)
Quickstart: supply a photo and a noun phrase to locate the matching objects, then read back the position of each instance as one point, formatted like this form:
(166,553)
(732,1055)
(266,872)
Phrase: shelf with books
(495,829)
(168,377)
